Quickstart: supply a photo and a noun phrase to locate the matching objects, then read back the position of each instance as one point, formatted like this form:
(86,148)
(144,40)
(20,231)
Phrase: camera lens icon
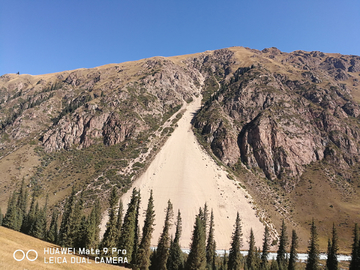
(25,255)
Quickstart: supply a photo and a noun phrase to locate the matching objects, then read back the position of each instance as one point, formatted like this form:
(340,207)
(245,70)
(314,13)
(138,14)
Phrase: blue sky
(38,37)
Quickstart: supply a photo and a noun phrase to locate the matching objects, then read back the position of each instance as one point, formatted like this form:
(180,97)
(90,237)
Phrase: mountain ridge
(120,112)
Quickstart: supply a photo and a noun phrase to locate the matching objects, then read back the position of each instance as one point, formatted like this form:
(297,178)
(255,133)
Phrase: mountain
(286,125)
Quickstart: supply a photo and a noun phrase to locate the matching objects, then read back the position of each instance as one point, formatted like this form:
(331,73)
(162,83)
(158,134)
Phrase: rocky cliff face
(282,111)
(79,108)
(281,121)
(266,109)
(274,118)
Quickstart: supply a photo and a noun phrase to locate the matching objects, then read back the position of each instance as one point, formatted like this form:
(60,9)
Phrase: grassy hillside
(287,125)
(11,241)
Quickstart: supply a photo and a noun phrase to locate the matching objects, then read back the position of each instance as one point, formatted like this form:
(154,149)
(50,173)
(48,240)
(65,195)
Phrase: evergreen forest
(72,228)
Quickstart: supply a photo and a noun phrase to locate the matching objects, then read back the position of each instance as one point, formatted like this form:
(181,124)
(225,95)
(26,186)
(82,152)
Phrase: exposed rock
(276,121)
(351,109)
(355,64)
(282,124)
(334,63)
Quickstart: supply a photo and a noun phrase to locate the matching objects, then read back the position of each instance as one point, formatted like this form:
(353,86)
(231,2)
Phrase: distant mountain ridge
(287,124)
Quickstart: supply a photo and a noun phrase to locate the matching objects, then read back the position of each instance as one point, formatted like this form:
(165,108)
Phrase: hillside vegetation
(287,125)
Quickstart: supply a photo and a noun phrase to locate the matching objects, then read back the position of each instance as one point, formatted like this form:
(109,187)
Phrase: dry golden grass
(14,167)
(315,197)
(180,58)
(11,241)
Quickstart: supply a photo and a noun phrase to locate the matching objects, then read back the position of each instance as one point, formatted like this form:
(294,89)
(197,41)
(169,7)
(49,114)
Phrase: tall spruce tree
(128,228)
(12,218)
(77,226)
(283,243)
(143,255)
(313,249)
(355,253)
(66,225)
(137,230)
(210,247)
(39,227)
(206,217)
(30,217)
(35,225)
(163,247)
(332,262)
(265,249)
(328,254)
(52,234)
(251,260)
(197,256)
(176,260)
(21,204)
(293,251)
(235,256)
(91,238)
(111,233)
(119,219)
(80,241)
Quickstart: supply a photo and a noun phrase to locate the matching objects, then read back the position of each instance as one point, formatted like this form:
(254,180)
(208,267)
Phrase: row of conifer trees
(123,231)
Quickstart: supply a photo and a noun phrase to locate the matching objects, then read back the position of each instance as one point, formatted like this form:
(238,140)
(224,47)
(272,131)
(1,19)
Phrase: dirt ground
(184,173)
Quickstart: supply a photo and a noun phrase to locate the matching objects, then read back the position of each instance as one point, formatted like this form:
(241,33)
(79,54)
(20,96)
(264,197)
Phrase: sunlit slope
(185,174)
(11,241)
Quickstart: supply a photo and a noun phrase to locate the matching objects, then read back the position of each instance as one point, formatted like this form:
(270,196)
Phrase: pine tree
(128,228)
(197,256)
(77,226)
(328,254)
(265,249)
(143,255)
(251,257)
(119,219)
(11,219)
(30,217)
(91,239)
(72,229)
(81,239)
(45,214)
(39,227)
(52,234)
(67,220)
(210,247)
(206,217)
(176,260)
(293,251)
(214,263)
(281,253)
(332,262)
(137,229)
(35,224)
(355,254)
(313,250)
(162,251)
(21,204)
(111,233)
(236,244)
